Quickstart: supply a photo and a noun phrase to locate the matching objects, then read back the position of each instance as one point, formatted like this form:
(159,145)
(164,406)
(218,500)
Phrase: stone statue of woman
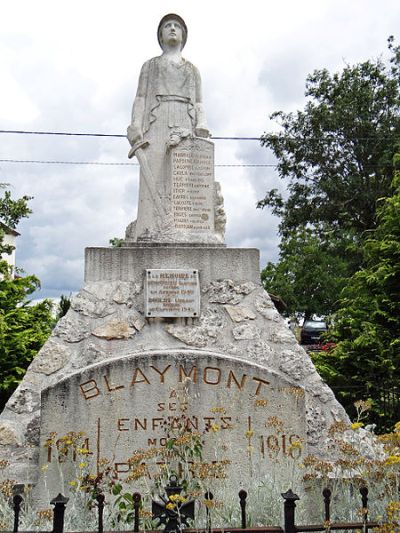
(167,108)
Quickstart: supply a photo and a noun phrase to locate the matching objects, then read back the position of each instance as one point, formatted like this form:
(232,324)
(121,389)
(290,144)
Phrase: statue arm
(201,128)
(135,129)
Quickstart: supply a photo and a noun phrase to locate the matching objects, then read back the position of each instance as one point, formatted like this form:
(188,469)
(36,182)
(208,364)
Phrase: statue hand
(134,134)
(202,132)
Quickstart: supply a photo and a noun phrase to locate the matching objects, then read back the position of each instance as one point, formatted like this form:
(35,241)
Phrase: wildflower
(275,422)
(363,405)
(249,433)
(44,515)
(221,410)
(137,473)
(6,487)
(295,445)
(82,451)
(213,504)
(3,464)
(261,402)
(356,425)
(392,460)
(177,498)
(215,427)
(72,483)
(170,506)
(82,465)
(338,427)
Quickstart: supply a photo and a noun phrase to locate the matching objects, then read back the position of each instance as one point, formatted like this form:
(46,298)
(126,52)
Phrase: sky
(73,67)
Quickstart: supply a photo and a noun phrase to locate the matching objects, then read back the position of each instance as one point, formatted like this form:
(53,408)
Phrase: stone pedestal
(109,370)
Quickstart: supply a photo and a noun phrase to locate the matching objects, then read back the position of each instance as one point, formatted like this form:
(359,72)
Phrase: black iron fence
(386,405)
(173,525)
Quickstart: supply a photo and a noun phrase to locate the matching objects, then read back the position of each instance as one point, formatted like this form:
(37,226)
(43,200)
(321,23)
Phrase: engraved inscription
(192,194)
(172,293)
(246,414)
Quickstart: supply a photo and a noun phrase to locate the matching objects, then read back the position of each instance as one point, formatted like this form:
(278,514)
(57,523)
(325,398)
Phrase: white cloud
(73,66)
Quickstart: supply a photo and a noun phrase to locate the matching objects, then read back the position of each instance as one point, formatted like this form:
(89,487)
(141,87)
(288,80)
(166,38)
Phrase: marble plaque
(172,293)
(248,416)
(192,186)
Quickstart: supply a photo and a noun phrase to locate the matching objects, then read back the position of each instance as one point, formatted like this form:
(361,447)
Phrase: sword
(138,150)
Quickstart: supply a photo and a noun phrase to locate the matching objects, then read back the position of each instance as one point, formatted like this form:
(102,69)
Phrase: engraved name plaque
(192,182)
(172,293)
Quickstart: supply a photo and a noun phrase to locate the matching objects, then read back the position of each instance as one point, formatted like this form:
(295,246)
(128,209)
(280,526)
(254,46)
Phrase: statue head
(168,18)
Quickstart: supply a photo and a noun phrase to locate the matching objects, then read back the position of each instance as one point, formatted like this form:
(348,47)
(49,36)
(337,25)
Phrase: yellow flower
(72,483)
(170,506)
(357,425)
(218,410)
(45,467)
(82,465)
(83,451)
(249,433)
(392,460)
(177,498)
(261,402)
(214,427)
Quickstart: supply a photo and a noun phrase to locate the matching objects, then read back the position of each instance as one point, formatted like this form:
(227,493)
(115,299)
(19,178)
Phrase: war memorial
(171,328)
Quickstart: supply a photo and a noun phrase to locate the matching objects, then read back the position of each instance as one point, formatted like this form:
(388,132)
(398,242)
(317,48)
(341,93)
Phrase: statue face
(171,33)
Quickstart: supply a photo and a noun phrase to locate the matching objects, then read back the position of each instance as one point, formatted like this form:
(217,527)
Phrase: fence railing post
(364,499)
(327,502)
(209,496)
(59,503)
(100,508)
(17,500)
(289,507)
(136,507)
(243,496)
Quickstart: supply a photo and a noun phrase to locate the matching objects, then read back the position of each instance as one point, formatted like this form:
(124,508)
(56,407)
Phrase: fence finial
(289,510)
(59,503)
(242,497)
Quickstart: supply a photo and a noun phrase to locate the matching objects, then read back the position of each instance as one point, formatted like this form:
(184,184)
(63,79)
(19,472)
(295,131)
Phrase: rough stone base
(106,321)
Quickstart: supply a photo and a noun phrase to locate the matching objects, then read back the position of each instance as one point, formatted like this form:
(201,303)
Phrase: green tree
(23,327)
(63,306)
(366,360)
(309,275)
(336,159)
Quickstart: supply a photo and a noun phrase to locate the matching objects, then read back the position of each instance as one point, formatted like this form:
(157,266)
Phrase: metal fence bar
(289,509)
(100,509)
(17,500)
(137,501)
(242,497)
(59,503)
(327,503)
(209,496)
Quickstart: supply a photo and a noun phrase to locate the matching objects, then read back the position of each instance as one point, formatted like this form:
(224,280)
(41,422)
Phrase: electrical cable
(104,163)
(116,135)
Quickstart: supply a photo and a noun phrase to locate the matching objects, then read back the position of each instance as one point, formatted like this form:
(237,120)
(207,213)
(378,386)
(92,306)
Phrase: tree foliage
(63,306)
(336,159)
(23,327)
(367,325)
(309,275)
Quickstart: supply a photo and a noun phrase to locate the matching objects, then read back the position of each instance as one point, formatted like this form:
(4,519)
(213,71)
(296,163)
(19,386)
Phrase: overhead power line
(105,163)
(216,138)
(76,134)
